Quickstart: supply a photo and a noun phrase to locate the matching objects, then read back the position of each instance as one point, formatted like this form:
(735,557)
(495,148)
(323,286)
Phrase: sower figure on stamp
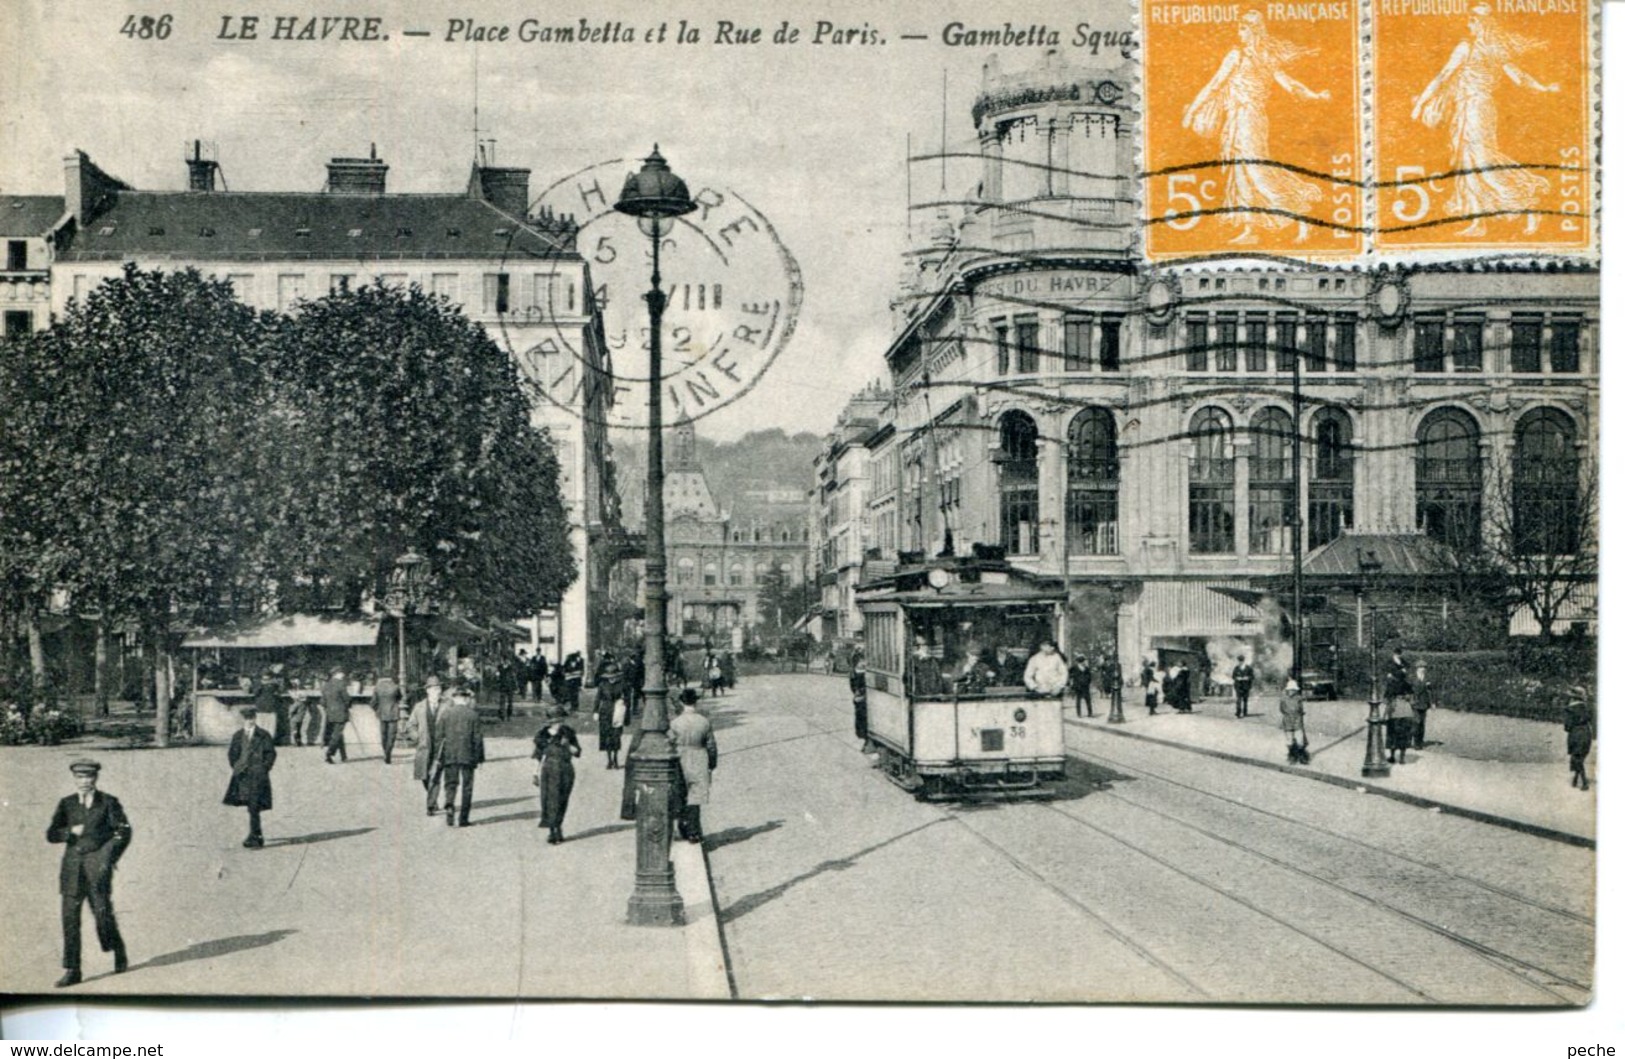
(252,754)
(460,749)
(93,825)
(1234,107)
(1463,93)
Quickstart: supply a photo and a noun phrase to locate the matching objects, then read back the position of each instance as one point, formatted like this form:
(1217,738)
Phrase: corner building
(518,275)
(1132,427)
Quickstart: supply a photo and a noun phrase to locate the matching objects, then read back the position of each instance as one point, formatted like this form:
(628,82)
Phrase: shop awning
(289,630)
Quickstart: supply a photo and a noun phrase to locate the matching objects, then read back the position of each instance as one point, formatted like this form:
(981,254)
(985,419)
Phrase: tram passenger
(925,675)
(858,682)
(977,673)
(1045,673)
(1011,667)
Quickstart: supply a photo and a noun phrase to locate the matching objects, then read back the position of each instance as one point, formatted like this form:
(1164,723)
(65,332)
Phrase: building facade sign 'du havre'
(1050,393)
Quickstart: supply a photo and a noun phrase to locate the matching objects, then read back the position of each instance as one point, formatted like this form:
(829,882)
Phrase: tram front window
(964,652)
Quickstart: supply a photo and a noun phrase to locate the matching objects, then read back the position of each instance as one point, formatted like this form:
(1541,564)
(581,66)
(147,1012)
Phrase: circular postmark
(733,296)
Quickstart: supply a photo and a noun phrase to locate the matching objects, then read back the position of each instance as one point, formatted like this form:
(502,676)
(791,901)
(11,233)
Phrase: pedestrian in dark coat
(575,670)
(858,682)
(555,749)
(1079,679)
(1242,678)
(270,702)
(1422,700)
(336,709)
(1111,682)
(610,709)
(1577,722)
(386,700)
(459,747)
(1401,716)
(730,671)
(425,767)
(251,755)
(508,680)
(93,825)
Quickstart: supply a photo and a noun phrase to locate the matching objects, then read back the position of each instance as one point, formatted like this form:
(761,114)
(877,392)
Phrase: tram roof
(969,582)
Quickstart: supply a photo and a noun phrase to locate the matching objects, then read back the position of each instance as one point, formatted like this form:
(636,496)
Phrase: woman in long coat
(610,710)
(1577,722)
(556,746)
(252,754)
(697,755)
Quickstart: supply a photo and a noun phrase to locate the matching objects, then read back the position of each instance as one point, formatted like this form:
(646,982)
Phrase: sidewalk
(1501,770)
(357,892)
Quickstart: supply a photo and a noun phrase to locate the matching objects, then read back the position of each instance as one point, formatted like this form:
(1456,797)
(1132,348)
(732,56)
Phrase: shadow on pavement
(492,803)
(594,832)
(751,902)
(208,950)
(319,836)
(739,834)
(1084,778)
(508,818)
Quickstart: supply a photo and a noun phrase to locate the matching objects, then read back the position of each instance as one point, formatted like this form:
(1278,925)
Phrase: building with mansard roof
(723,557)
(1132,428)
(517,274)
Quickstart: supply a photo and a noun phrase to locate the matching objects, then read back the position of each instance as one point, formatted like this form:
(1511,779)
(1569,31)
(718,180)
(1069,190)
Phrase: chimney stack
(507,189)
(200,170)
(88,190)
(357,176)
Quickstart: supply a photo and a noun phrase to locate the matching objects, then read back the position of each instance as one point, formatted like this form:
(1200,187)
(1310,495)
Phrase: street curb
(1406,797)
(710,973)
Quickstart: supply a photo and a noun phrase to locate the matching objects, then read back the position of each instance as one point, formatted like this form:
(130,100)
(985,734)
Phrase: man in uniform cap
(96,831)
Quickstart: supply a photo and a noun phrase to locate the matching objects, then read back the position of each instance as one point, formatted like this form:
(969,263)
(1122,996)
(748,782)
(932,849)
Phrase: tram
(946,646)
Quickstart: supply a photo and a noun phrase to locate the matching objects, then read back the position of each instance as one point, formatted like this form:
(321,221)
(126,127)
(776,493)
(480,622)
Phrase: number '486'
(145,27)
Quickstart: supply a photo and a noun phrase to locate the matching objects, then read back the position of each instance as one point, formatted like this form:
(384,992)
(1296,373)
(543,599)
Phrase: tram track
(1520,969)
(1525,970)
(1341,836)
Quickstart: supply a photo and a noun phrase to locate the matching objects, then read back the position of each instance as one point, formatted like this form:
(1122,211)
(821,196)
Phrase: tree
(397,424)
(125,488)
(1540,532)
(782,601)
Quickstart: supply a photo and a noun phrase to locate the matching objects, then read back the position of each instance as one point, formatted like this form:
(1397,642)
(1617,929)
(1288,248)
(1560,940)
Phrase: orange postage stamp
(1483,133)
(1252,128)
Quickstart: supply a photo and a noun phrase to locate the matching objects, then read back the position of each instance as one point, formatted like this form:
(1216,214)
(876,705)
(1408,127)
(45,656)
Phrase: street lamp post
(1376,766)
(405,592)
(654,195)
(1116,689)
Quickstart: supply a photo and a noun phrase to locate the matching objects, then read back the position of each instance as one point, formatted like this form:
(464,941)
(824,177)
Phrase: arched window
(1449,478)
(685,570)
(1017,460)
(1212,496)
(761,573)
(1091,483)
(736,574)
(1331,476)
(1269,484)
(710,573)
(1545,485)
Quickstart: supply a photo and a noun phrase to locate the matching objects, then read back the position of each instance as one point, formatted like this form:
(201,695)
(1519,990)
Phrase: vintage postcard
(1088,503)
